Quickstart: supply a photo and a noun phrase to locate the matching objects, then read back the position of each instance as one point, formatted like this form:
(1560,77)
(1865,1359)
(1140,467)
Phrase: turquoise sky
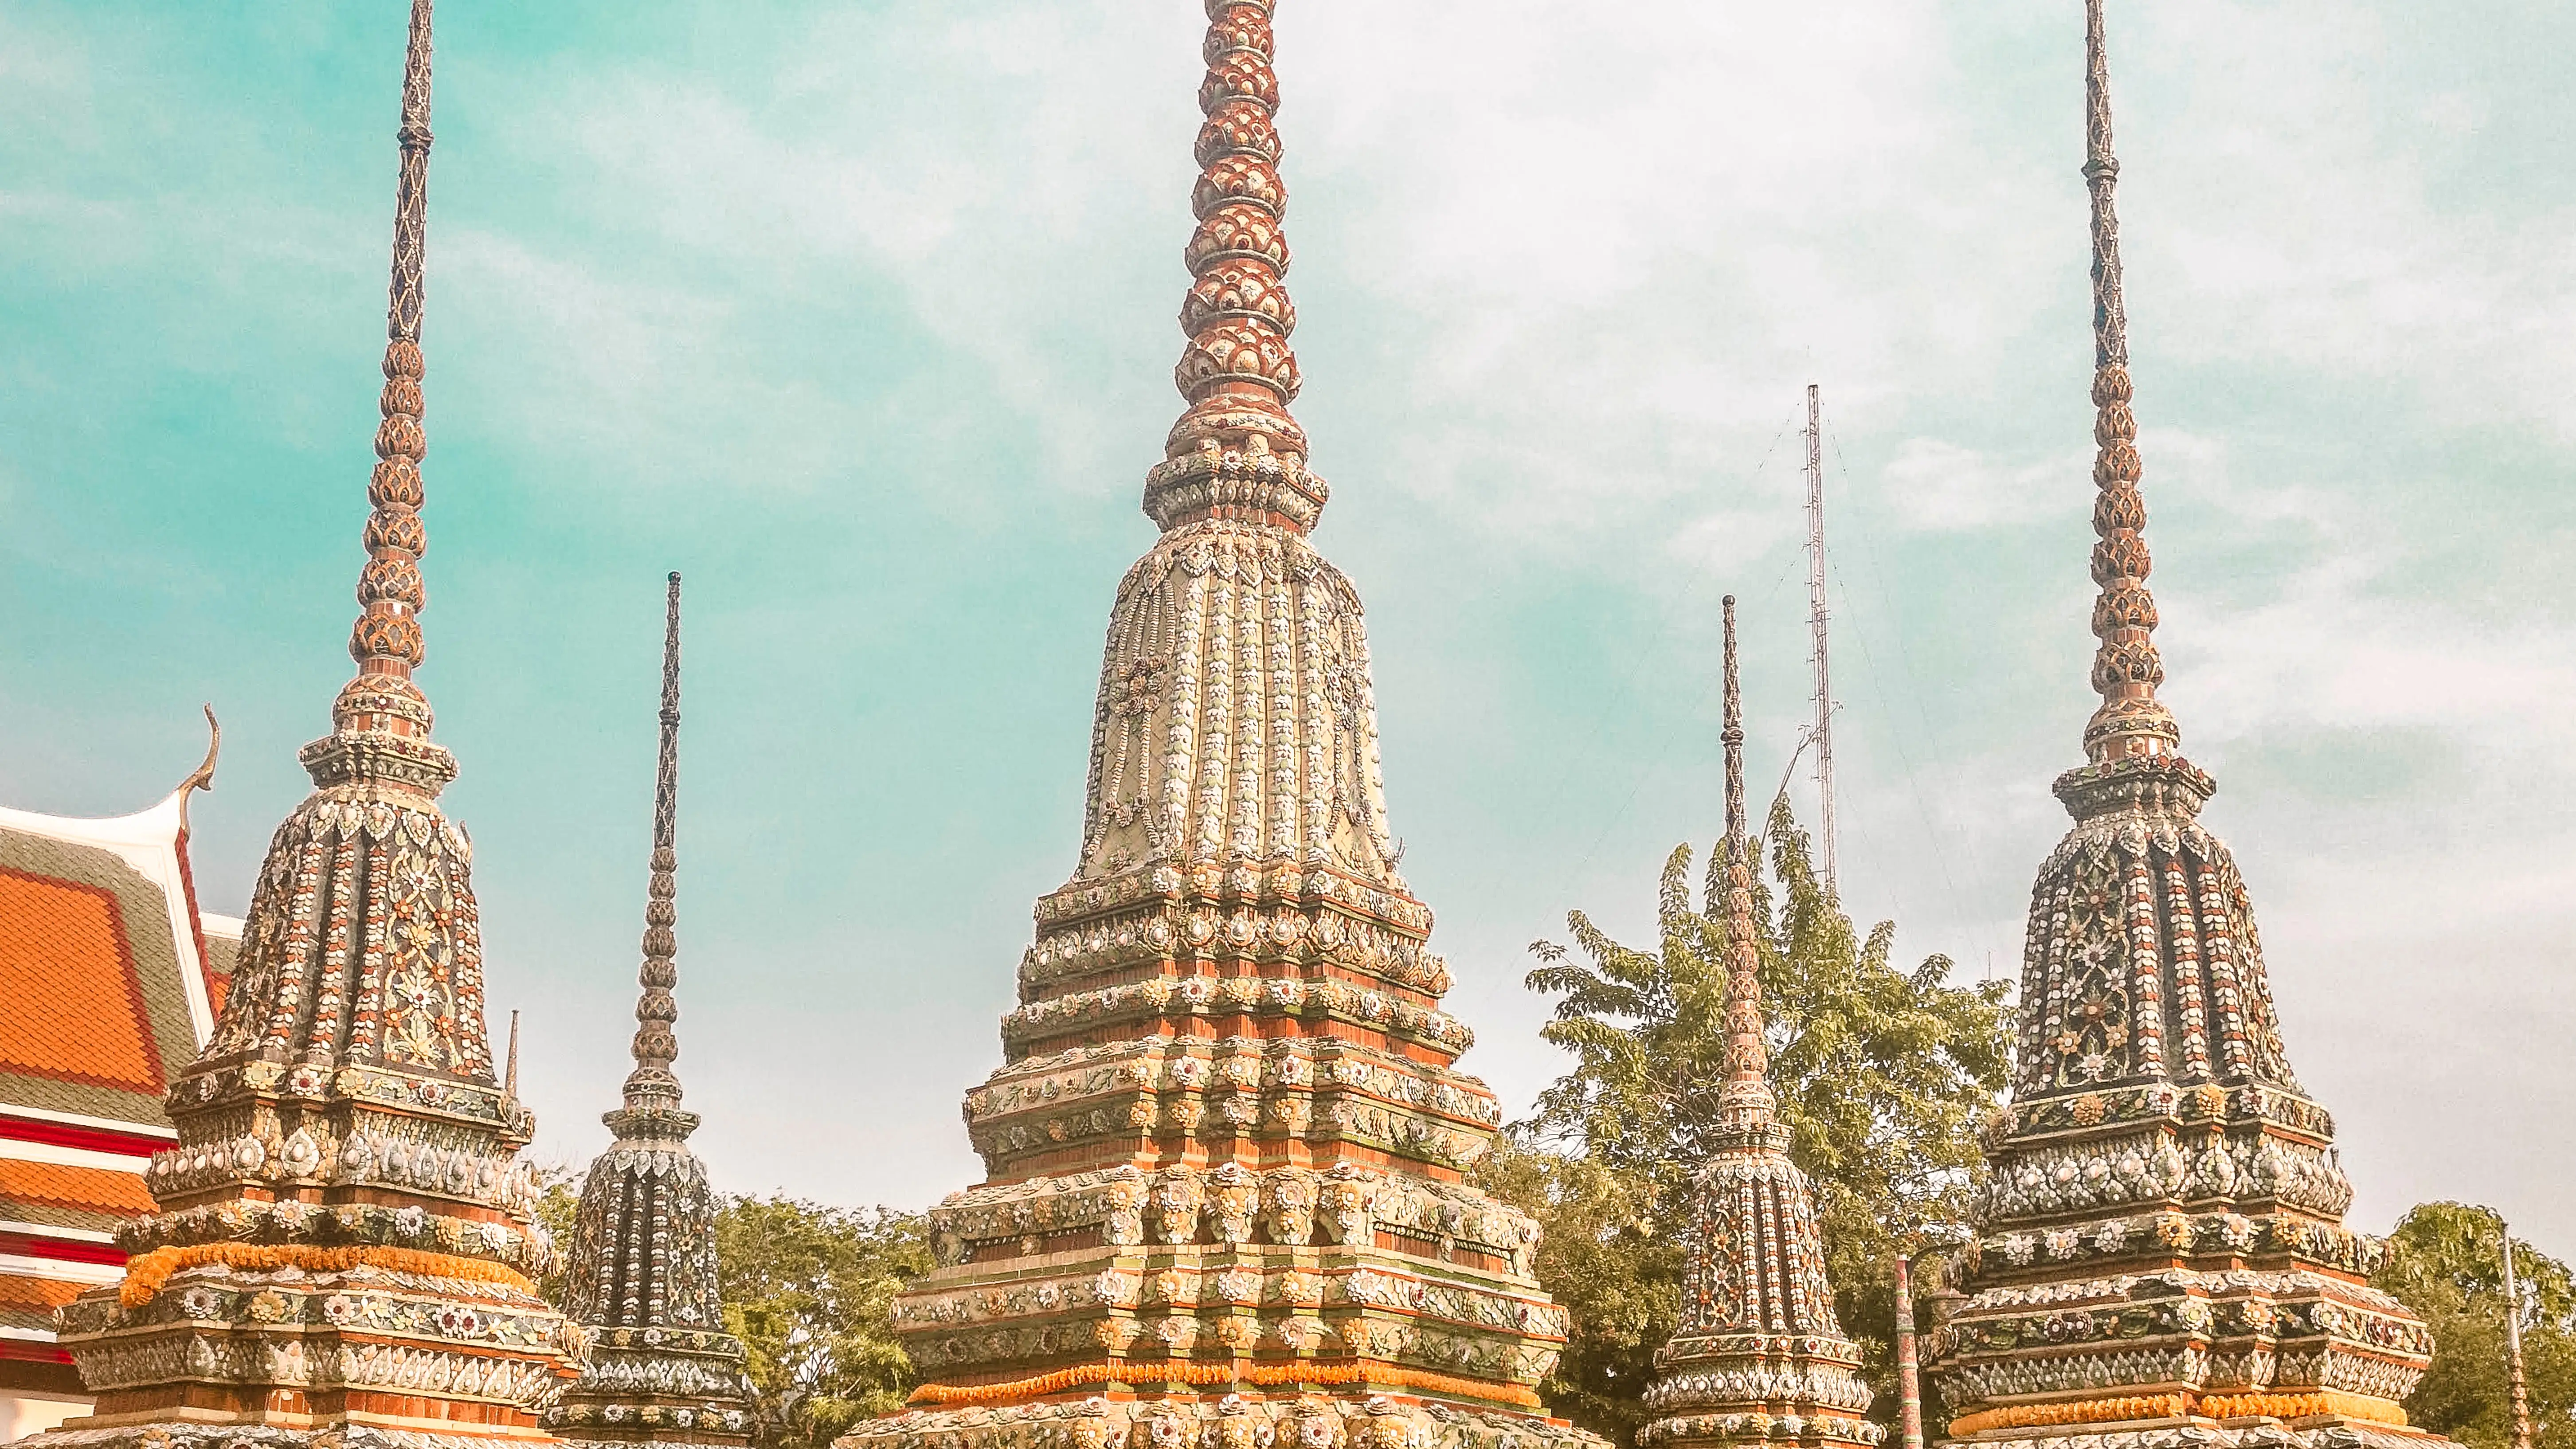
(860,315)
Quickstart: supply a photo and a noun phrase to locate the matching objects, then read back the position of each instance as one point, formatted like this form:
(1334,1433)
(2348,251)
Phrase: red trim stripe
(61,1250)
(26,1352)
(87,1139)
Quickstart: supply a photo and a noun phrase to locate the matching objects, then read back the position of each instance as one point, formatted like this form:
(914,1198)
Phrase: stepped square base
(1225,1421)
(189,1434)
(2195,1431)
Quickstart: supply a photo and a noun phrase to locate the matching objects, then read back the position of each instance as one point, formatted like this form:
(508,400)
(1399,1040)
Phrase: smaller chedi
(642,1278)
(2160,1259)
(1759,1357)
(340,1252)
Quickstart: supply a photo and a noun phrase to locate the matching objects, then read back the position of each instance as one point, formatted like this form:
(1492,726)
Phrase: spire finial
(2126,669)
(1733,737)
(1237,371)
(1745,1103)
(656,1046)
(386,641)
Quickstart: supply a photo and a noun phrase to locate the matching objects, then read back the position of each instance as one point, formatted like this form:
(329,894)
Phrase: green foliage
(558,1203)
(810,1291)
(2449,1267)
(1883,1076)
(1611,1268)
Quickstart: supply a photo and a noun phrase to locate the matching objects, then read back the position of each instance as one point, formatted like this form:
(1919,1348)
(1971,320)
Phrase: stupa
(2160,1257)
(341,1251)
(1224,1200)
(642,1276)
(1758,1357)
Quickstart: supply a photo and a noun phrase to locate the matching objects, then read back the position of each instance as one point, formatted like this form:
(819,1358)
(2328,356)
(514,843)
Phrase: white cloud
(2296,217)
(1941,487)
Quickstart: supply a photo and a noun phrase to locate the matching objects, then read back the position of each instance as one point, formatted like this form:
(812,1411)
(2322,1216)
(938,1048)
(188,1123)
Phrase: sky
(860,315)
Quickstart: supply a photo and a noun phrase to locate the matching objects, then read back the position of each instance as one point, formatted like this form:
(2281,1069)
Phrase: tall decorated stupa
(1224,1198)
(641,1280)
(1758,1356)
(340,1251)
(2160,1257)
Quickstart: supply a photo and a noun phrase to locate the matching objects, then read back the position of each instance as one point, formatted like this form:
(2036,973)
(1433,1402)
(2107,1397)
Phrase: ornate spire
(345,1167)
(642,1277)
(1237,453)
(1746,1099)
(386,639)
(2126,669)
(656,1047)
(1228,1086)
(2159,1255)
(1759,1356)
(381,721)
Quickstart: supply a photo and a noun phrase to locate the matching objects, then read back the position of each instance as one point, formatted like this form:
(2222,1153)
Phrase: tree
(2448,1266)
(810,1291)
(1883,1079)
(1609,1263)
(558,1204)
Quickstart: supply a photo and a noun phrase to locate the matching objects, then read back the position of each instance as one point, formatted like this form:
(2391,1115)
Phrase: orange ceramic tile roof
(41,1295)
(45,1293)
(70,1005)
(84,1189)
(105,986)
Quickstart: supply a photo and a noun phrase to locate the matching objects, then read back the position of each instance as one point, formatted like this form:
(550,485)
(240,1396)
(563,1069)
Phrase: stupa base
(1229,1421)
(193,1434)
(2259,1431)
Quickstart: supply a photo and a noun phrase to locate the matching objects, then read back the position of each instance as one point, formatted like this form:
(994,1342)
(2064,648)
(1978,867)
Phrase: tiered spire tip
(2126,667)
(653,1083)
(1746,1100)
(1237,452)
(381,720)
(386,639)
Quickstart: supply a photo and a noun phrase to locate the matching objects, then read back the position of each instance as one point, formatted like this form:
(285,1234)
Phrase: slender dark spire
(387,638)
(2126,668)
(1733,737)
(1746,1100)
(652,1083)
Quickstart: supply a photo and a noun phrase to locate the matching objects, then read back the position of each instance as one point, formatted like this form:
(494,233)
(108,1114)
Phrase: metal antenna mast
(1822,731)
